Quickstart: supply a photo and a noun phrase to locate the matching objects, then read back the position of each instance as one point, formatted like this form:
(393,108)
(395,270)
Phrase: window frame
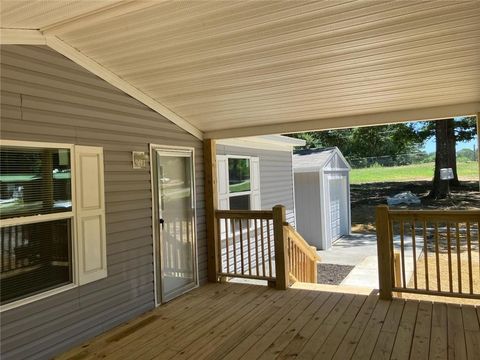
(31,219)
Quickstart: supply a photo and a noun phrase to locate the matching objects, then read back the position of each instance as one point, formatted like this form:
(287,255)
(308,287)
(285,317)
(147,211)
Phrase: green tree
(447,133)
(365,142)
(467,155)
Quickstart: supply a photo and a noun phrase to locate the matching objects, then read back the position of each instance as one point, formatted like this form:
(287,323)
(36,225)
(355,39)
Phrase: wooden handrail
(439,252)
(261,245)
(302,257)
(309,250)
(246,244)
(244,214)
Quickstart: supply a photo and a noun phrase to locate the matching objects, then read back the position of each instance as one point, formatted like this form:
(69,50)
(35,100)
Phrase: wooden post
(384,252)
(281,251)
(478,146)
(396,270)
(211,201)
(314,278)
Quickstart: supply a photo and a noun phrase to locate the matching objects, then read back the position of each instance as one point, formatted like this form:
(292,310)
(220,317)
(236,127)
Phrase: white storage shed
(322,195)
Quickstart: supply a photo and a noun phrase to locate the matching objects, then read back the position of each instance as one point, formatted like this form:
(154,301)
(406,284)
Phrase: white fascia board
(266,142)
(420,114)
(21,37)
(284,140)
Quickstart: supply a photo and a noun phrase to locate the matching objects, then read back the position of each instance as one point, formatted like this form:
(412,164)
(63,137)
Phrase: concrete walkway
(360,250)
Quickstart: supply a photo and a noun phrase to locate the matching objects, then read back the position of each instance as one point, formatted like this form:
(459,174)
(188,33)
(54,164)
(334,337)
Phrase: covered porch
(188,74)
(236,321)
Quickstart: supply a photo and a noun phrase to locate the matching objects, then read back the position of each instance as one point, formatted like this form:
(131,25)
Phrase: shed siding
(46,97)
(276,178)
(308,197)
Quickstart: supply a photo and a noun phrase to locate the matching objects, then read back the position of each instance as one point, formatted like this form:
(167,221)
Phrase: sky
(430,145)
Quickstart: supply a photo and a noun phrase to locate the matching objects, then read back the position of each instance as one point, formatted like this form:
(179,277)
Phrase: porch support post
(281,250)
(382,224)
(211,197)
(478,146)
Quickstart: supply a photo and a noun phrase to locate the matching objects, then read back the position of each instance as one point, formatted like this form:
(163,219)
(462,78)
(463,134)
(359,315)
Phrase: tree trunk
(443,159)
(452,151)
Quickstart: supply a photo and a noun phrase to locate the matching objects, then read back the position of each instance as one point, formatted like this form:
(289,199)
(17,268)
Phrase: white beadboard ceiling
(273,66)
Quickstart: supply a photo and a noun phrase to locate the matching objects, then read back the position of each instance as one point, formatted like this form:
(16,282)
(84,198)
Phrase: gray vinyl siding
(48,98)
(276,177)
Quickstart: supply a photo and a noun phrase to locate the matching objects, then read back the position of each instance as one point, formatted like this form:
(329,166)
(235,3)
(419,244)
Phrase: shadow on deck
(233,321)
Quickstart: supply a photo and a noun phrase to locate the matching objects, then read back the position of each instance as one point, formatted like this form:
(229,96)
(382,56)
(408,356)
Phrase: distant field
(466,171)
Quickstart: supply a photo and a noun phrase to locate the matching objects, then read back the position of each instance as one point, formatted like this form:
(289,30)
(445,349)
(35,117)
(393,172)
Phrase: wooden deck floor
(236,321)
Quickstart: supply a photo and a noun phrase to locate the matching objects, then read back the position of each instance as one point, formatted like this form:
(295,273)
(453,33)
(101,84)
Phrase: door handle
(162,223)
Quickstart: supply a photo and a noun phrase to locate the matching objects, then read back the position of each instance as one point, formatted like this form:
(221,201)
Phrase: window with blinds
(34,181)
(36,254)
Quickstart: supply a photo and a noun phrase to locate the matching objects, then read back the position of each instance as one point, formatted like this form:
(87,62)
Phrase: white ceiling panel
(237,64)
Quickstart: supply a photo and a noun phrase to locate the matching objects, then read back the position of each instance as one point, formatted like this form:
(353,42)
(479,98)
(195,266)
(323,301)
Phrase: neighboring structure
(256,173)
(322,195)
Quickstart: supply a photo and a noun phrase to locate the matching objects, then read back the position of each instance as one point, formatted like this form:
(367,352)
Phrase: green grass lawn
(243,186)
(466,171)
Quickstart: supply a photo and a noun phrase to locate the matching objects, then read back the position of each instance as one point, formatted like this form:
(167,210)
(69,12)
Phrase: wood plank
(108,341)
(302,337)
(351,339)
(170,344)
(236,319)
(331,344)
(439,334)
(245,345)
(237,335)
(403,340)
(314,344)
(233,321)
(369,337)
(262,344)
(192,319)
(456,334)
(288,334)
(386,339)
(472,331)
(423,326)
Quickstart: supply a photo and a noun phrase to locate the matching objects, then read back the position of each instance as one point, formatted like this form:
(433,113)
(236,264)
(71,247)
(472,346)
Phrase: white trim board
(35,37)
(265,142)
(420,114)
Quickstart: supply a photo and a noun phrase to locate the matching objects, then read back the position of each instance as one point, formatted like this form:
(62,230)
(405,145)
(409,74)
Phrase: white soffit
(247,68)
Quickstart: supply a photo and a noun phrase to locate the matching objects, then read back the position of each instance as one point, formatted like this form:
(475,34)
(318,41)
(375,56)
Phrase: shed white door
(337,206)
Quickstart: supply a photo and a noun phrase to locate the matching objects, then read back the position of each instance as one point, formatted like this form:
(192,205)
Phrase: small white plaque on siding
(140,159)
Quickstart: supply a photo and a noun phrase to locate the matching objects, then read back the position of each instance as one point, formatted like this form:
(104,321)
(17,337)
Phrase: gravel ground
(332,274)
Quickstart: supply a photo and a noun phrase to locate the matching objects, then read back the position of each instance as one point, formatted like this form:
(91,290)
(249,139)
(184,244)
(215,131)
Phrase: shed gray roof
(315,158)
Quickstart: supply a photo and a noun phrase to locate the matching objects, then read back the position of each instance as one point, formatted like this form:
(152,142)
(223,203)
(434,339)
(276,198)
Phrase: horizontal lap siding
(276,178)
(46,97)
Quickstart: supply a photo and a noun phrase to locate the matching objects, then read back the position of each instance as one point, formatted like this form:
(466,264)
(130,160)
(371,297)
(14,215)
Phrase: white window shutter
(256,203)
(90,214)
(222,182)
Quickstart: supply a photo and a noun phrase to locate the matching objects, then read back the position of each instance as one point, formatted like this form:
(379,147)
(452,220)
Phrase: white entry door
(174,222)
